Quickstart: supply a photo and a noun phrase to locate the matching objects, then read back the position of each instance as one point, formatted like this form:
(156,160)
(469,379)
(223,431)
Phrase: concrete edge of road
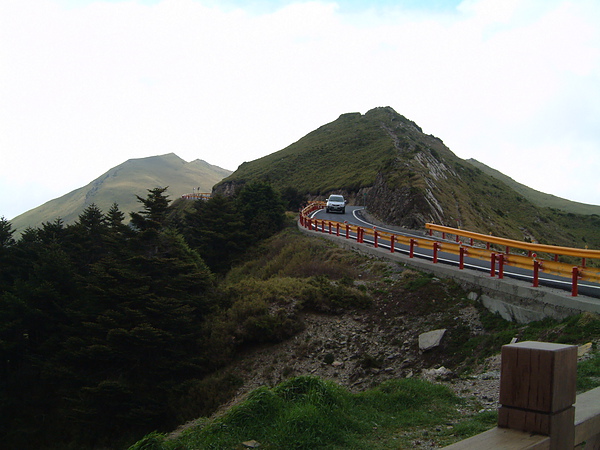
(513,299)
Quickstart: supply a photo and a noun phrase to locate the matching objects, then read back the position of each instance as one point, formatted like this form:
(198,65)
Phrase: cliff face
(404,206)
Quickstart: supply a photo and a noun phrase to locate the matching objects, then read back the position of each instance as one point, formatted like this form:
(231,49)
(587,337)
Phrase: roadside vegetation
(110,332)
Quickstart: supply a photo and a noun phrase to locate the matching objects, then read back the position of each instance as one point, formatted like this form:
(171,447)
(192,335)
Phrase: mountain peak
(121,184)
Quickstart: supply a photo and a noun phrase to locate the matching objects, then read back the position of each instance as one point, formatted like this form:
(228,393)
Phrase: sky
(87,84)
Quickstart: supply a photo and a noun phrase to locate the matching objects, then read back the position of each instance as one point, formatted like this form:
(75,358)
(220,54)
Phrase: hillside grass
(308,412)
(407,178)
(344,155)
(540,198)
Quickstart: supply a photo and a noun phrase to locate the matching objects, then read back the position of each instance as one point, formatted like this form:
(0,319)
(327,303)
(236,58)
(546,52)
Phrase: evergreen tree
(216,229)
(7,243)
(87,237)
(114,218)
(293,199)
(154,212)
(262,208)
(6,233)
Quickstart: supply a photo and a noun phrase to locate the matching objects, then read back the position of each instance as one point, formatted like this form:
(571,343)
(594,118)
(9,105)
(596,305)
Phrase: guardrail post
(537,390)
(493,265)
(575,277)
(337,229)
(392,243)
(435,252)
(536,273)
(375,243)
(347,230)
(411,253)
(500,266)
(461,264)
(329,227)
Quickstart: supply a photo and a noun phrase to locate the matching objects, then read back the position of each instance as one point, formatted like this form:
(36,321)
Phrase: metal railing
(197,196)
(470,244)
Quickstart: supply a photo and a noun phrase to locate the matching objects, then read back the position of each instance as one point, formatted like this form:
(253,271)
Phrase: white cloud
(84,88)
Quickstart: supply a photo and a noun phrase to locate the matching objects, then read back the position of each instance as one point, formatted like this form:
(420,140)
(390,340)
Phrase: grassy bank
(309,412)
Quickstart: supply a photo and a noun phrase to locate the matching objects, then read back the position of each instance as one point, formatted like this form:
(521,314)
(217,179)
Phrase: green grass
(309,412)
(588,373)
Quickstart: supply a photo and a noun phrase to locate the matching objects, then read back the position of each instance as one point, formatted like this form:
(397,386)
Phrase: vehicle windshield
(336,198)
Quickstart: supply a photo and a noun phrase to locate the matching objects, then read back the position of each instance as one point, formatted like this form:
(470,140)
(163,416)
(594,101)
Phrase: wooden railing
(469,244)
(539,407)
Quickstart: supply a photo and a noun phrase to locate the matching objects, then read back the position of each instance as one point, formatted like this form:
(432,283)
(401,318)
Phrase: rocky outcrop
(405,206)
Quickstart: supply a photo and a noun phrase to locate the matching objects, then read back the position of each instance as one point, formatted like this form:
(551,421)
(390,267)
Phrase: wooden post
(537,390)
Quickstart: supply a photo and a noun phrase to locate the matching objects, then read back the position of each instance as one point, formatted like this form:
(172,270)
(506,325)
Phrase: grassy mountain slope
(343,155)
(408,178)
(122,183)
(536,197)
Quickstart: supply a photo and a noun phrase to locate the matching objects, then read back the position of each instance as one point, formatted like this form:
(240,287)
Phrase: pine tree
(87,237)
(7,243)
(216,229)
(262,208)
(154,212)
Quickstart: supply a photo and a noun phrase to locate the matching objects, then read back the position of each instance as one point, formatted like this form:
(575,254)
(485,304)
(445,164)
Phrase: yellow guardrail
(527,262)
(531,261)
(542,248)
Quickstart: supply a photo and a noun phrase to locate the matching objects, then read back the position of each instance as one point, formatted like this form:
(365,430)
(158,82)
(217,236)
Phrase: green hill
(383,160)
(122,183)
(536,197)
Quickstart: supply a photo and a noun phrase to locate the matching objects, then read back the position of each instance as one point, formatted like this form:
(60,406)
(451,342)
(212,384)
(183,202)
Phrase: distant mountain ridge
(122,183)
(537,197)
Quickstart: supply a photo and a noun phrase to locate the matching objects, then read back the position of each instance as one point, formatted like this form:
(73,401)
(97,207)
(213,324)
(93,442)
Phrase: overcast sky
(88,84)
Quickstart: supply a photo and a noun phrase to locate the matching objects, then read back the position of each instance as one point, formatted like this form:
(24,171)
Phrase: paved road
(354,217)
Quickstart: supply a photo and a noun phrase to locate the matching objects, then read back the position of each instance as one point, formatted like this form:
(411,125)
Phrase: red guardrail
(476,246)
